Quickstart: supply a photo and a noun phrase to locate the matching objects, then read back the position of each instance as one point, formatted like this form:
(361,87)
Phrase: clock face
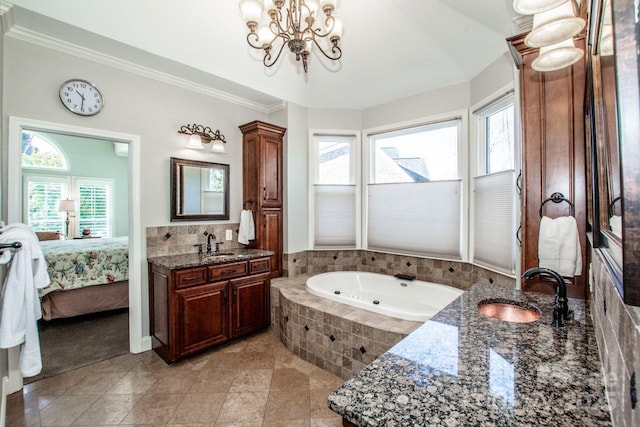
(81,97)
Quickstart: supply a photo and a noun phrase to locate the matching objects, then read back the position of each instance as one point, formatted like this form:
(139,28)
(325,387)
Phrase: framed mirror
(199,190)
(615,118)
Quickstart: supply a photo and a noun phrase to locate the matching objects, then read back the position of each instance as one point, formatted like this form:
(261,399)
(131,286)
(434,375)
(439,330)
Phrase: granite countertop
(464,369)
(174,262)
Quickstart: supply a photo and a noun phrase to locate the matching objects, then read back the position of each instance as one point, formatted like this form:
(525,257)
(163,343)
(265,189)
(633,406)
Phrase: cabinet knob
(264,193)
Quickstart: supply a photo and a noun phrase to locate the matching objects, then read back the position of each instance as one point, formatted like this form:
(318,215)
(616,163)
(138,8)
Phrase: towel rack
(14,245)
(558,198)
(247,202)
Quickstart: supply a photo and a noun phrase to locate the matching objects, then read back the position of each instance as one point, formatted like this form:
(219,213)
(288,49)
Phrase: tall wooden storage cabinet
(262,186)
(553,155)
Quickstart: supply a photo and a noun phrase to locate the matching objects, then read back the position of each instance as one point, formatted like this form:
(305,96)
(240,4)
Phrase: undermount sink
(509,311)
(219,254)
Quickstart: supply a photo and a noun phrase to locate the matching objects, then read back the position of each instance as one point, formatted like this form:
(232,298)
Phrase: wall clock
(81,97)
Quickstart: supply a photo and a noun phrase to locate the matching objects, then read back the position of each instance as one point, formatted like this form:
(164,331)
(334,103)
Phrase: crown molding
(6,17)
(30,36)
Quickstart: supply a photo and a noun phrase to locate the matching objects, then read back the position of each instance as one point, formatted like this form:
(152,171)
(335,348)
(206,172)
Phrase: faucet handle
(199,246)
(218,246)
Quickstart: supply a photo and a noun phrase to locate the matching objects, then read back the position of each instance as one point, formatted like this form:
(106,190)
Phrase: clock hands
(82,103)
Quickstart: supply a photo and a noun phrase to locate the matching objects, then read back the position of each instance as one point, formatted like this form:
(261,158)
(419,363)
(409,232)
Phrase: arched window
(40,152)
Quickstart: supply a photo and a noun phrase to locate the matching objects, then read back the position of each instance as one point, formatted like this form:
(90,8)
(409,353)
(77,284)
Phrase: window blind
(421,218)
(43,199)
(94,208)
(494,229)
(335,215)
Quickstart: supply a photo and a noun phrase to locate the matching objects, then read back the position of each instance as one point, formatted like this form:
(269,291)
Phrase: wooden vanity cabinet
(193,309)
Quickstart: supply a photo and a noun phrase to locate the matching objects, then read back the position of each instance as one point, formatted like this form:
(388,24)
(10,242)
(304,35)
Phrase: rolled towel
(247,230)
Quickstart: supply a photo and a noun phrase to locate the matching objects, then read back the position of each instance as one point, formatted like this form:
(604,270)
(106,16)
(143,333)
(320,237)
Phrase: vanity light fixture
(199,135)
(291,23)
(554,25)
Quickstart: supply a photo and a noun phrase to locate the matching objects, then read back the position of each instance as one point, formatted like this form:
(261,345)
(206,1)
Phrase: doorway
(137,343)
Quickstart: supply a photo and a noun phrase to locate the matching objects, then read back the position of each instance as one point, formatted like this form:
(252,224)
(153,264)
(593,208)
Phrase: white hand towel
(247,230)
(559,246)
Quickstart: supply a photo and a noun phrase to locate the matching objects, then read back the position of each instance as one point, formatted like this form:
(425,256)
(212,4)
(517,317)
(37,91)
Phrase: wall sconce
(199,135)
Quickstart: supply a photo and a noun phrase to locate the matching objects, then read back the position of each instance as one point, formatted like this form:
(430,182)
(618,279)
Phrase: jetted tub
(401,298)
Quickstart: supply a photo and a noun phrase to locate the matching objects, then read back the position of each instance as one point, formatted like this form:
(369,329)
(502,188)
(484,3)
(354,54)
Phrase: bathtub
(405,299)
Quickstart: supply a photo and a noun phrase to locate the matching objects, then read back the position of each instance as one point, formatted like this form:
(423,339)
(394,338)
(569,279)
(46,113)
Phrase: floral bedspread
(79,263)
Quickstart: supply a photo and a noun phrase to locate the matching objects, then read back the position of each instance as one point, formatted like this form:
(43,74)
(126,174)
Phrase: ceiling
(391,49)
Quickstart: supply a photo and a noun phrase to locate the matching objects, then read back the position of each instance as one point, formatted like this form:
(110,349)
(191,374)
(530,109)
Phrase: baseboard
(146,343)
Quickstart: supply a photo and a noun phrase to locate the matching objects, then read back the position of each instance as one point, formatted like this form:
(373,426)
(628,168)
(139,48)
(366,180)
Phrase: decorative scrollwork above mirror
(199,190)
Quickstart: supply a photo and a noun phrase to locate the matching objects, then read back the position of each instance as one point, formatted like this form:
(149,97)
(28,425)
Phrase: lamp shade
(251,10)
(67,206)
(554,25)
(557,56)
(217,146)
(195,142)
(529,7)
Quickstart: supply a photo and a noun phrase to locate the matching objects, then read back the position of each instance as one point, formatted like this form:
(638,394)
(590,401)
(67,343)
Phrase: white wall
(436,102)
(492,78)
(133,105)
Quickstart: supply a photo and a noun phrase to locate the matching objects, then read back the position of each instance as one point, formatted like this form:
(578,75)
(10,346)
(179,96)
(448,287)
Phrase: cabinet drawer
(191,277)
(259,265)
(227,271)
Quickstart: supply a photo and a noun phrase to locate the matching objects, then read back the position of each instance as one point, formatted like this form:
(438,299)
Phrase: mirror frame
(175,216)
(620,255)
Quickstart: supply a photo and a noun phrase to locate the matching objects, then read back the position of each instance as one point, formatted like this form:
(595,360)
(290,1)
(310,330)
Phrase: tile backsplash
(181,239)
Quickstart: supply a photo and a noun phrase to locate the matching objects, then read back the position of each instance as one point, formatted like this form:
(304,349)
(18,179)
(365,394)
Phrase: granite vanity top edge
(463,368)
(174,262)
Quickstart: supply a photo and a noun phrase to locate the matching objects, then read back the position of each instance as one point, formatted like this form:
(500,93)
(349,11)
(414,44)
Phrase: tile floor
(252,382)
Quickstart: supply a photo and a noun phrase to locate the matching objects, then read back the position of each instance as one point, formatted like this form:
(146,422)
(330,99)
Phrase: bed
(87,276)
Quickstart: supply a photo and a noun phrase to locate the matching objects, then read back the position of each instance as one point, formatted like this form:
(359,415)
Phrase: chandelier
(293,26)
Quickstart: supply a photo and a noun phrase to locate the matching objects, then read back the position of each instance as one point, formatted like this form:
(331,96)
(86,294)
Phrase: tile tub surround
(174,262)
(617,329)
(462,368)
(335,337)
(461,275)
(182,238)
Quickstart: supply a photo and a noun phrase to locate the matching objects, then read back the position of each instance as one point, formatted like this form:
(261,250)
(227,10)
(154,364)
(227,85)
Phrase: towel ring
(247,202)
(612,206)
(559,198)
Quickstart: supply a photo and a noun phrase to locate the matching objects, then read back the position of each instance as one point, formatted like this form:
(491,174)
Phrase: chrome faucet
(209,237)
(560,305)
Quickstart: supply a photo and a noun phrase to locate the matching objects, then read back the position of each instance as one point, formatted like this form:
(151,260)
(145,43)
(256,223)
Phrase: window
(42,197)
(94,209)
(334,183)
(425,153)
(40,152)
(414,192)
(494,197)
(497,135)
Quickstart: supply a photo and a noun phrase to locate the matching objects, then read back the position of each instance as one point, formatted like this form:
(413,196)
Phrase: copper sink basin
(509,311)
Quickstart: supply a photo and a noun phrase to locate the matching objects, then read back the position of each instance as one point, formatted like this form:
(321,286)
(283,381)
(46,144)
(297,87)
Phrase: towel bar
(558,198)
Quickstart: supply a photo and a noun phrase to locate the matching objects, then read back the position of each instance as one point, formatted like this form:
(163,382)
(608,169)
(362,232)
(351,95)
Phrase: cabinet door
(271,173)
(202,311)
(249,311)
(271,238)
